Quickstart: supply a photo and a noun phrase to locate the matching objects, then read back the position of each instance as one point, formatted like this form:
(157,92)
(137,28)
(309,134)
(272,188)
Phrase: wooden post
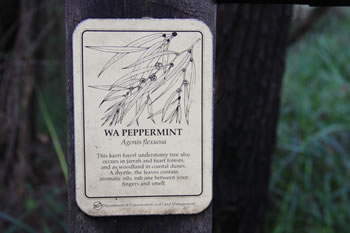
(252,43)
(78,10)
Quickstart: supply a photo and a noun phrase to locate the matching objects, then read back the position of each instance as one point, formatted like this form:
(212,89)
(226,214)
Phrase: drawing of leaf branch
(157,74)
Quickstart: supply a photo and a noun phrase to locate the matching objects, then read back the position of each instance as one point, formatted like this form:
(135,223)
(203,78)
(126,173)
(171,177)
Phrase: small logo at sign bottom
(97,205)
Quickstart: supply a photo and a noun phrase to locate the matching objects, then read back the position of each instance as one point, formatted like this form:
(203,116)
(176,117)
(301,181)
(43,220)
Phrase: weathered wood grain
(251,49)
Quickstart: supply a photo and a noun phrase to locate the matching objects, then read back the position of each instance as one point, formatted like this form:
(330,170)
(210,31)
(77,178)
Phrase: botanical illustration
(158,85)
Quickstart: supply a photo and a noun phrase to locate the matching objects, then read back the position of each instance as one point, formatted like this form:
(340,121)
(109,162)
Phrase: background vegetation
(310,173)
(311,167)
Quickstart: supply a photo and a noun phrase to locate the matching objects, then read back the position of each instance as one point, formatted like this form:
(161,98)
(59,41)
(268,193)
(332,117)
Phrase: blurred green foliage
(311,167)
(44,205)
(53,135)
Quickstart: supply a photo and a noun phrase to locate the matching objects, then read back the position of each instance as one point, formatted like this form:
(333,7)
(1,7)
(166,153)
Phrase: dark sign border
(83,104)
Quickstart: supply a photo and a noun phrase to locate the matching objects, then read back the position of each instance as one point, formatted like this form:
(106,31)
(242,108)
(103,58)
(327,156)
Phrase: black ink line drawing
(158,73)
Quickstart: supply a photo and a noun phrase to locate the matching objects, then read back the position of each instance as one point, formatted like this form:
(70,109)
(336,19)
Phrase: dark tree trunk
(78,10)
(251,49)
(18,76)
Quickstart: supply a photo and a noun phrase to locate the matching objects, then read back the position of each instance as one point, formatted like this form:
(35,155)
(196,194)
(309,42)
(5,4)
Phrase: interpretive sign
(143,116)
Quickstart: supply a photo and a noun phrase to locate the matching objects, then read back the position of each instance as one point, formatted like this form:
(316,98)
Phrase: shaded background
(309,190)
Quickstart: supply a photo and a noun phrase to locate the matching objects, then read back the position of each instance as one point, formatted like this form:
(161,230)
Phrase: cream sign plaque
(143,116)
